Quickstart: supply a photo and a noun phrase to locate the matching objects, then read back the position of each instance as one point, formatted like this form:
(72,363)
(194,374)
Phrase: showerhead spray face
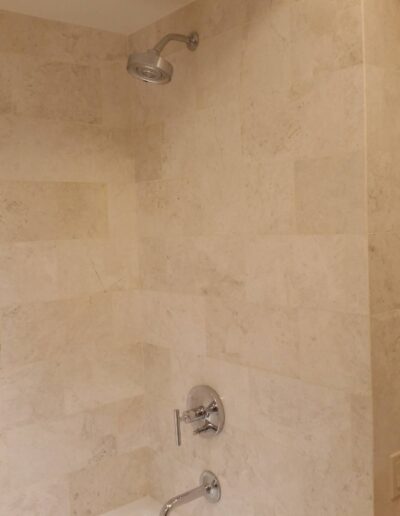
(150,66)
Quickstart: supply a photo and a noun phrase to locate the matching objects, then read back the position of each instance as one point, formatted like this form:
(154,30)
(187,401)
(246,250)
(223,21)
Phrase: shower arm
(191,41)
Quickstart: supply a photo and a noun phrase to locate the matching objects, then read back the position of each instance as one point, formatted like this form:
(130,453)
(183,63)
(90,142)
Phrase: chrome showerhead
(151,67)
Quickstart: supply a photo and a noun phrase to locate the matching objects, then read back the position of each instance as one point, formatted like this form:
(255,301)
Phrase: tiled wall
(246,266)
(71,371)
(383,132)
(253,258)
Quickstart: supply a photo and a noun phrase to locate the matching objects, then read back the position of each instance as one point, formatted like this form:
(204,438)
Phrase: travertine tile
(122,210)
(200,265)
(385,362)
(330,195)
(28,272)
(384,250)
(170,207)
(253,334)
(115,96)
(325,36)
(111,483)
(50,211)
(92,266)
(269,265)
(180,321)
(32,332)
(40,37)
(270,196)
(330,272)
(30,393)
(7,101)
(92,380)
(46,499)
(47,150)
(56,90)
(54,448)
(334,350)
(147,143)
(218,58)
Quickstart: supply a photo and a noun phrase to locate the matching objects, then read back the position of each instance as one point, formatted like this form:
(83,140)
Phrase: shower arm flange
(191,41)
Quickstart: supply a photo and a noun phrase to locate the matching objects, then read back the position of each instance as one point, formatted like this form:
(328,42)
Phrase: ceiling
(124,16)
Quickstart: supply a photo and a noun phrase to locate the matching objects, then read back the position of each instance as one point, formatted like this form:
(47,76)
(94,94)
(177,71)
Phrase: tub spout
(209,488)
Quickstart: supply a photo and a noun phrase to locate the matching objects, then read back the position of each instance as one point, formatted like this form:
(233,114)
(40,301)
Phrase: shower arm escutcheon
(209,488)
(205,412)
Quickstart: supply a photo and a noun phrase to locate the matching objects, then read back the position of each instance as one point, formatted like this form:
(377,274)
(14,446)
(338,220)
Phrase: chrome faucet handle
(205,428)
(188,416)
(177,421)
(205,413)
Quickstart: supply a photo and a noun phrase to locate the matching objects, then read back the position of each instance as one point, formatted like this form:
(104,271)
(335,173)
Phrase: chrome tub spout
(209,488)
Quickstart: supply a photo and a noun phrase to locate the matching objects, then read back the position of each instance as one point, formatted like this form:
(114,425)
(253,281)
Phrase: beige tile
(170,207)
(54,448)
(47,150)
(382,86)
(325,36)
(180,321)
(25,35)
(56,90)
(385,360)
(7,100)
(89,267)
(31,332)
(147,143)
(381,21)
(335,351)
(270,196)
(176,146)
(122,210)
(330,195)
(384,277)
(340,96)
(266,59)
(50,211)
(205,266)
(115,95)
(92,379)
(28,272)
(253,334)
(30,393)
(219,58)
(46,499)
(294,126)
(158,368)
(330,272)
(124,422)
(383,191)
(269,265)
(111,483)
(8,145)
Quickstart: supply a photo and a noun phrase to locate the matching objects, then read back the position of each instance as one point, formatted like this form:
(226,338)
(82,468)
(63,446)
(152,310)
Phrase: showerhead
(151,67)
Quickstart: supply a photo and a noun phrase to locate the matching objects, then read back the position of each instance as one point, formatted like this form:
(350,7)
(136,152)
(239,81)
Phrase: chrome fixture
(205,412)
(209,488)
(150,66)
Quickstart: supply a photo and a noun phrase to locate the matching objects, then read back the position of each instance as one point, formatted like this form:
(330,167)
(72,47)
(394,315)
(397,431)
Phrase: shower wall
(71,372)
(253,260)
(383,115)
